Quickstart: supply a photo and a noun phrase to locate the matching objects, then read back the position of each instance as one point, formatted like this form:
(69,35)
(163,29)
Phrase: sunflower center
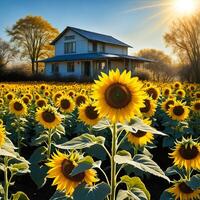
(152,93)
(197,106)
(188,153)
(170,102)
(91,113)
(166,92)
(198,95)
(65,104)
(178,110)
(140,133)
(118,96)
(80,100)
(147,106)
(41,103)
(25,100)
(48,116)
(67,167)
(18,106)
(9,96)
(185,188)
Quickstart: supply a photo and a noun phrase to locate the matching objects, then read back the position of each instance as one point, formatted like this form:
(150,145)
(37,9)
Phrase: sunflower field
(116,139)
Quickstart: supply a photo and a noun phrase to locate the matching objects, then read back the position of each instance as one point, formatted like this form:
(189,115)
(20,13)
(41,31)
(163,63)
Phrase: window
(55,68)
(70,37)
(102,47)
(69,47)
(94,46)
(70,67)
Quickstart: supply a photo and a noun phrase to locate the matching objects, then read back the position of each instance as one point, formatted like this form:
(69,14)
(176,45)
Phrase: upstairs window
(69,47)
(94,47)
(55,68)
(70,67)
(102,47)
(70,37)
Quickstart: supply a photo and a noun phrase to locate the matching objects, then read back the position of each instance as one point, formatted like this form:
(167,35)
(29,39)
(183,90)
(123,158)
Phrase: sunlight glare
(184,6)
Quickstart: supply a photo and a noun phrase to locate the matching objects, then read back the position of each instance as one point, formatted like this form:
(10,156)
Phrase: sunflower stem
(188,174)
(113,164)
(49,144)
(135,150)
(6,183)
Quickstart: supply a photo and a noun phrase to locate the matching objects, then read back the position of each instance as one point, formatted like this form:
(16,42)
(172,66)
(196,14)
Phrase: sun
(185,6)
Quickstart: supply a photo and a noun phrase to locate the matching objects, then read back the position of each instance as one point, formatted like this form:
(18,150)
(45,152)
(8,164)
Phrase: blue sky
(114,17)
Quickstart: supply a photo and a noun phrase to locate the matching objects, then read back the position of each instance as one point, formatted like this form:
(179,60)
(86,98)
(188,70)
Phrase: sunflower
(118,96)
(177,85)
(167,91)
(166,104)
(180,93)
(62,165)
(2,135)
(180,190)
(41,102)
(150,107)
(48,117)
(80,99)
(140,138)
(153,92)
(178,111)
(10,96)
(196,106)
(26,100)
(1,101)
(186,154)
(18,107)
(88,114)
(197,95)
(65,104)
(56,96)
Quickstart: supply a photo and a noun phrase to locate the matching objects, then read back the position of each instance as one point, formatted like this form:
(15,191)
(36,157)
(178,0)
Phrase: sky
(140,23)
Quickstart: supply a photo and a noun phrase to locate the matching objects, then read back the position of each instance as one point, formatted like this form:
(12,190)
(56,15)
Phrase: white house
(84,54)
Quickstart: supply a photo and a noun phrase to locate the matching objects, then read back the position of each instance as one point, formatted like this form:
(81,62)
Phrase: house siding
(81,43)
(116,49)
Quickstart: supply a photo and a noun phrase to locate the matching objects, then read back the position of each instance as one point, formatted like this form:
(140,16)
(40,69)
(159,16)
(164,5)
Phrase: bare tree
(7,53)
(161,69)
(184,38)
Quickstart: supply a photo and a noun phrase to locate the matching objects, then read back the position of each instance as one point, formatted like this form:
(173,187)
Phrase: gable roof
(92,36)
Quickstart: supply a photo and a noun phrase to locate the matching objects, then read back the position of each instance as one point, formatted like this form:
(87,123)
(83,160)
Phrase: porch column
(107,67)
(91,68)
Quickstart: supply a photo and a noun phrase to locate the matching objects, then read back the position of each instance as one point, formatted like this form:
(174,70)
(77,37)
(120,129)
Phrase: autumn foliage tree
(33,34)
(184,38)
(161,68)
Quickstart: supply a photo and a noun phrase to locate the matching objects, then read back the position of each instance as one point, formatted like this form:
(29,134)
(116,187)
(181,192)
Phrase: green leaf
(173,170)
(139,193)
(81,168)
(38,174)
(8,149)
(137,124)
(135,182)
(102,124)
(194,182)
(20,196)
(97,192)
(126,194)
(1,189)
(166,196)
(2,167)
(21,167)
(143,163)
(81,142)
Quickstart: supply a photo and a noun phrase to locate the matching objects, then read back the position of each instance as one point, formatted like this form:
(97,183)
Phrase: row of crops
(100,141)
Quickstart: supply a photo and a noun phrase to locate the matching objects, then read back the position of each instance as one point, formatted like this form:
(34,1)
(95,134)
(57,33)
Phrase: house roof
(92,36)
(93,56)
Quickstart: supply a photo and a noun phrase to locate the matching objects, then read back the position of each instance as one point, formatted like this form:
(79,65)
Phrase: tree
(161,69)
(7,53)
(33,35)
(184,38)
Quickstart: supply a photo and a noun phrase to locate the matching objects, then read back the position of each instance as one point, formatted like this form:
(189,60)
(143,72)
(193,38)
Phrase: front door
(86,68)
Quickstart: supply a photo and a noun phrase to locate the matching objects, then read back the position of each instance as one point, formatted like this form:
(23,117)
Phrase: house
(84,54)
